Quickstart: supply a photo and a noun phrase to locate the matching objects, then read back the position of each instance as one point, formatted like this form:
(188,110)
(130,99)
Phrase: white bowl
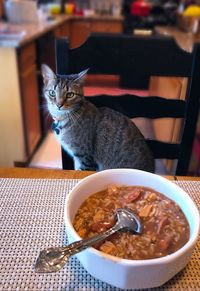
(132,274)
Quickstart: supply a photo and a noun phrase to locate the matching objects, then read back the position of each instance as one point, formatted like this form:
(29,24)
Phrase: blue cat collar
(55,127)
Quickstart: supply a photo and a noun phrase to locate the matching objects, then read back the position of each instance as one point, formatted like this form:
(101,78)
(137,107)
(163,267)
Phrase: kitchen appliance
(140,8)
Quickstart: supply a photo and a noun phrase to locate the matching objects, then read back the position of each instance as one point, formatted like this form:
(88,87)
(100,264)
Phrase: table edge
(35,173)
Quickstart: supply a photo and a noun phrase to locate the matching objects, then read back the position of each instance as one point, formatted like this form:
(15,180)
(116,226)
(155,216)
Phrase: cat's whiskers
(74,117)
(44,107)
(65,116)
(77,116)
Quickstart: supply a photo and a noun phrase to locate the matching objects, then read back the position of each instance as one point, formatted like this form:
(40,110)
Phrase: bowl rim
(162,260)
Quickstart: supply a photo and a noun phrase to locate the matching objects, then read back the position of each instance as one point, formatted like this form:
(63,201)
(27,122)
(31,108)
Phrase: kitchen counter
(184,40)
(31,31)
(26,32)
(23,48)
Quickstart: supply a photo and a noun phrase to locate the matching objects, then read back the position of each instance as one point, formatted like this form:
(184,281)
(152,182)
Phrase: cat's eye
(70,94)
(52,93)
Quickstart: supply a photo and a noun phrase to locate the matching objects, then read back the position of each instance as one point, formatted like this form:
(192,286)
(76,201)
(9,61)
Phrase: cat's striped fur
(96,138)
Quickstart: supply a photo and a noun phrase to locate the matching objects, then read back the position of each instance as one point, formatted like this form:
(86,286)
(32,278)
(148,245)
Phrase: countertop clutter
(26,32)
(28,20)
(16,35)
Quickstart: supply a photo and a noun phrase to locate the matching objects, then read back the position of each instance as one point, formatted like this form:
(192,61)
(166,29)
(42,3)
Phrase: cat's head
(62,92)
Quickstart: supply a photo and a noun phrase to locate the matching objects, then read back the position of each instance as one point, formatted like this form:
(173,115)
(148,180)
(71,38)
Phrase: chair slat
(134,55)
(164,150)
(135,106)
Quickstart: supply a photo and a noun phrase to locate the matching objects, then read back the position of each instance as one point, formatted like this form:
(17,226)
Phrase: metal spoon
(53,259)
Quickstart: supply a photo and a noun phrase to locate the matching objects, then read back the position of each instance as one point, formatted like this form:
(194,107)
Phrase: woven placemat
(32,218)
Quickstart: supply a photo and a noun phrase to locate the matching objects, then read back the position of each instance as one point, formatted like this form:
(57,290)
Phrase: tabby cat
(96,138)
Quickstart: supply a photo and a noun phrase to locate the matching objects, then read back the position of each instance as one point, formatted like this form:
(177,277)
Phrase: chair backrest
(128,55)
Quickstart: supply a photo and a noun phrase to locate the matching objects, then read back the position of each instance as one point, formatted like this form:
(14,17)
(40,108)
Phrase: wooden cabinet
(79,32)
(80,29)
(111,26)
(62,30)
(46,55)
(29,97)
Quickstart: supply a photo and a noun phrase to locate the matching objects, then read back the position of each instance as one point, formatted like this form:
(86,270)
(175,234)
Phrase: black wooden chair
(117,54)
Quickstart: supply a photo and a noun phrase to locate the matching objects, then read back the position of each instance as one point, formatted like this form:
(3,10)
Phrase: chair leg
(67,161)
(196,152)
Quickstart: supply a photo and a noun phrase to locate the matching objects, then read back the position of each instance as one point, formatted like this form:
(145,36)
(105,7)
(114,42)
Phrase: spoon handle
(53,259)
(81,245)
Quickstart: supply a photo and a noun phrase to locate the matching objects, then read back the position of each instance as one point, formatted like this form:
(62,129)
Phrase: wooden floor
(48,155)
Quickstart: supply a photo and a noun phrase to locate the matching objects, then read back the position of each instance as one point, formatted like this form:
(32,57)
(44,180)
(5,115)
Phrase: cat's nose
(59,106)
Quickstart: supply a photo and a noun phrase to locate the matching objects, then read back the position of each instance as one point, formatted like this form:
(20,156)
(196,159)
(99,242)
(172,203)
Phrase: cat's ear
(47,74)
(80,78)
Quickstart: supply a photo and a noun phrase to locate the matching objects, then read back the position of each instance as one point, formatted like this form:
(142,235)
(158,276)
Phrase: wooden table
(42,173)
(62,174)
(31,214)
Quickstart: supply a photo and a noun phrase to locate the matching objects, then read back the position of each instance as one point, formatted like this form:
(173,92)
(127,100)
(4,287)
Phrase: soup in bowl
(168,214)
